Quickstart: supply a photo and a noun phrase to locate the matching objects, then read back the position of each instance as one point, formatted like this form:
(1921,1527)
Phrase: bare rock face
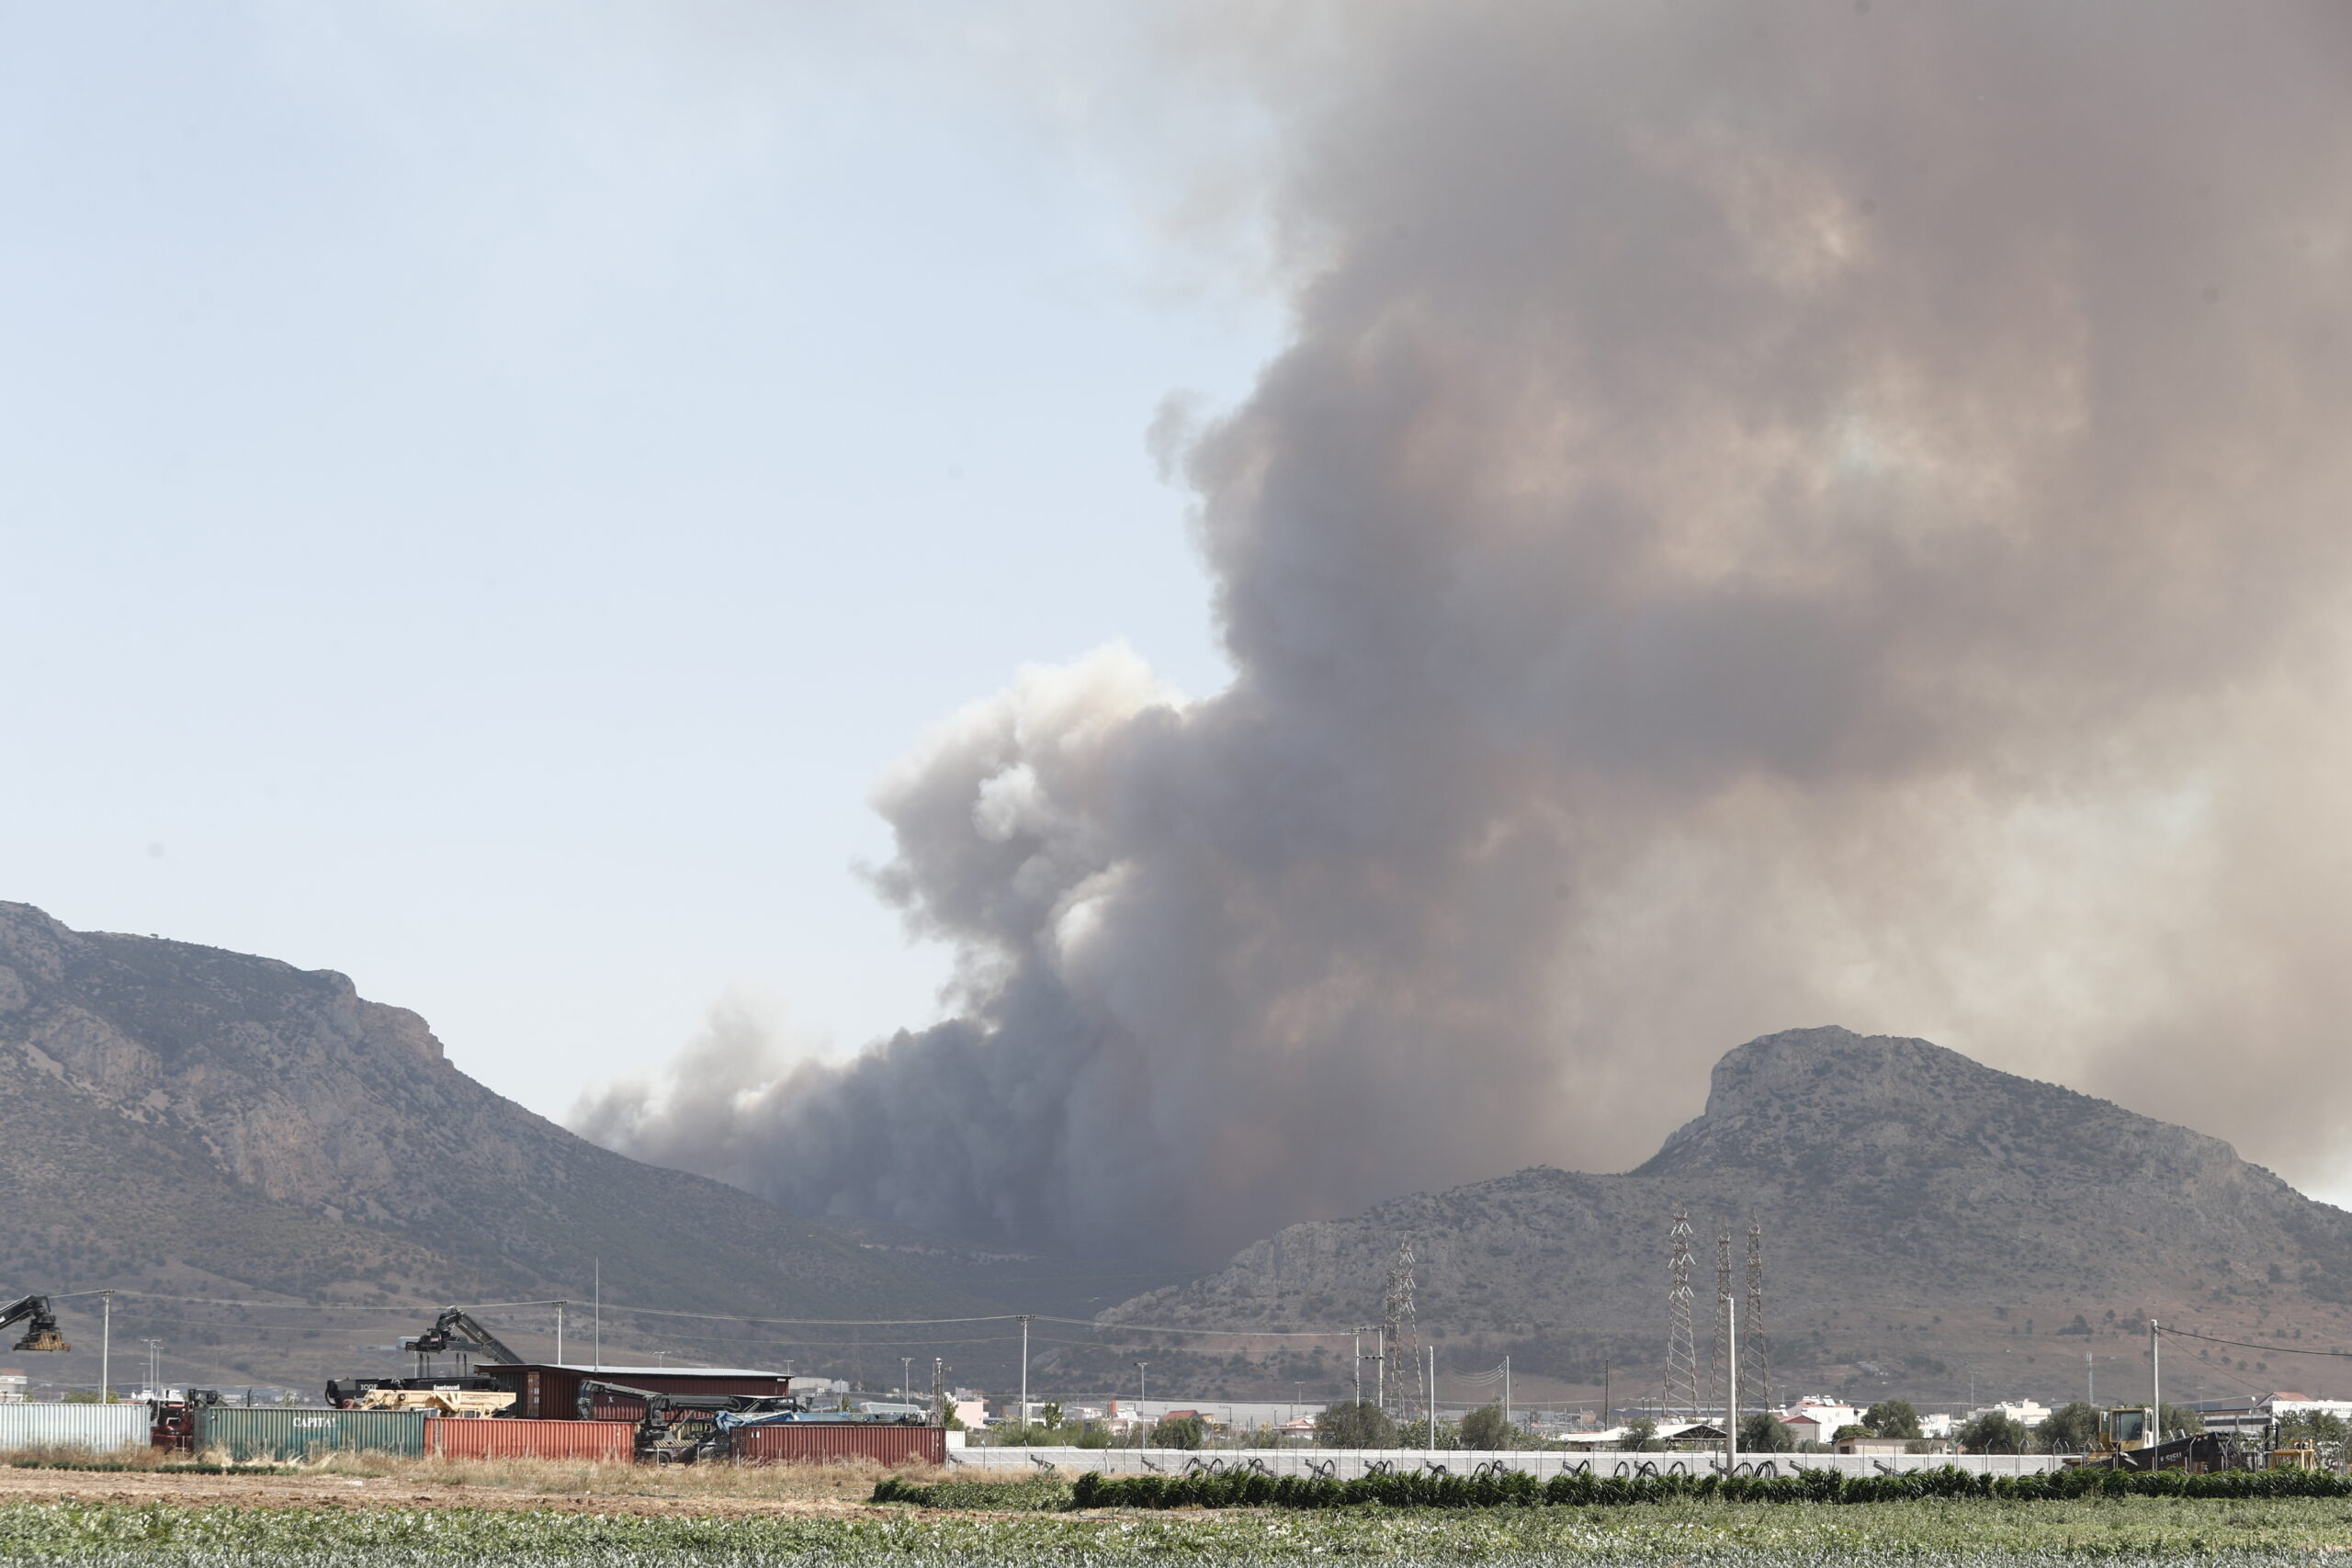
(180,1109)
(1923,1218)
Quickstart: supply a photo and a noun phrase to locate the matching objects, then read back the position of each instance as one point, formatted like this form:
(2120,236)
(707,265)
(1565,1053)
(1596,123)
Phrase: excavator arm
(454,1331)
(40,1324)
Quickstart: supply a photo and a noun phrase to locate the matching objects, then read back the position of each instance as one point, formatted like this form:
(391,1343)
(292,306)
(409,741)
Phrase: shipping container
(106,1428)
(629,1410)
(509,1438)
(292,1432)
(824,1442)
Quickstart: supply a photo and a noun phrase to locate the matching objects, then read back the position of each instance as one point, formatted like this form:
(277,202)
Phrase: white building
(1221,1414)
(2025,1411)
(13,1384)
(1816,1419)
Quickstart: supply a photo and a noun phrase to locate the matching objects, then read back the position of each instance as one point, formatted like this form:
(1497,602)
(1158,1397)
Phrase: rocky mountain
(1926,1221)
(196,1128)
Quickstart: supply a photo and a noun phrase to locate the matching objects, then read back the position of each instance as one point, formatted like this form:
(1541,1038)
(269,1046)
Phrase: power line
(735,1317)
(1230,1333)
(2270,1349)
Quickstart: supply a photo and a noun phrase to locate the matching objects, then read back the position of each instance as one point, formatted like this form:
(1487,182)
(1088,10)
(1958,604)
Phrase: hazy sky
(1710,519)
(485,490)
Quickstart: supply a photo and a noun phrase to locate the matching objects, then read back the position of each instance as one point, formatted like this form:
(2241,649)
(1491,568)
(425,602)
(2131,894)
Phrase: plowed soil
(640,1493)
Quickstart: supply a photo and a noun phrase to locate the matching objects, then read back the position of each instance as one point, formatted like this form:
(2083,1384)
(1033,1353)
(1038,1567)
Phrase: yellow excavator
(41,1331)
(2122,1429)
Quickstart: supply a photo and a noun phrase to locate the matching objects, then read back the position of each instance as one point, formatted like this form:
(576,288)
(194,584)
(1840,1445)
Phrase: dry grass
(847,1482)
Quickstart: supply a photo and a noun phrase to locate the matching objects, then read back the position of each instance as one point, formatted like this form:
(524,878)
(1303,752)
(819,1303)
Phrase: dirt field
(378,1481)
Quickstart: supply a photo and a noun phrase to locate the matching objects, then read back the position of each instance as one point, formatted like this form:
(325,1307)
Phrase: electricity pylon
(1681,1346)
(1401,1332)
(1756,1366)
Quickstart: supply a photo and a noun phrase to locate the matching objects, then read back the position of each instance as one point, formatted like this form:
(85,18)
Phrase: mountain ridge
(1923,1216)
(184,1115)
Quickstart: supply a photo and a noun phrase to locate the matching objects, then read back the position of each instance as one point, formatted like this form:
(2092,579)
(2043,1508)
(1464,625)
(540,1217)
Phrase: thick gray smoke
(1772,514)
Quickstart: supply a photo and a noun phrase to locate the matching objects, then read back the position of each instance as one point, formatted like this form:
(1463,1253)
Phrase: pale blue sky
(485,490)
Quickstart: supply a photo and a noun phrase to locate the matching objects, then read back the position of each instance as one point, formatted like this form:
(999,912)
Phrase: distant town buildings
(1814,1419)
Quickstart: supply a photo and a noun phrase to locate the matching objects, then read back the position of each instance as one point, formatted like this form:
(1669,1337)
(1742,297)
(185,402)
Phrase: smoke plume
(1769,514)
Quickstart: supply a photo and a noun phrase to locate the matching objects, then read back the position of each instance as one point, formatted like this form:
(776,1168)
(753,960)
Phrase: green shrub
(1422,1489)
(1042,1490)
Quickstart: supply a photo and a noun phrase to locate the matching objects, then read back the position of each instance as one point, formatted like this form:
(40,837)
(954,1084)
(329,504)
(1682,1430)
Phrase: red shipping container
(826,1442)
(614,1410)
(499,1436)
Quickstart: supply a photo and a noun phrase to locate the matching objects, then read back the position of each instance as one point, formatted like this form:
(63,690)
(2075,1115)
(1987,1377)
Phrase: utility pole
(1139,1430)
(2090,1381)
(1607,1418)
(1718,1371)
(939,1391)
(1429,1409)
(558,1331)
(1731,1424)
(1355,1341)
(154,1366)
(1024,1373)
(1505,1390)
(597,1315)
(2156,1379)
(106,1350)
(1380,1367)
(906,1376)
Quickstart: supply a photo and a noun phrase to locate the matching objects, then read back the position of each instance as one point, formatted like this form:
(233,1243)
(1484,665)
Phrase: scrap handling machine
(453,1333)
(41,1331)
(680,1428)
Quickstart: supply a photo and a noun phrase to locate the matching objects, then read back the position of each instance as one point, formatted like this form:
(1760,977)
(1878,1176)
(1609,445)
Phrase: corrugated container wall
(284,1432)
(513,1437)
(105,1428)
(820,1442)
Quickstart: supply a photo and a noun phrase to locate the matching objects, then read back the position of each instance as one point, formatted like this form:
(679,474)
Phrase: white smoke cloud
(1770,516)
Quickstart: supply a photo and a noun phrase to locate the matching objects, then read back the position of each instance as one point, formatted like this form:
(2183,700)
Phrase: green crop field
(1920,1534)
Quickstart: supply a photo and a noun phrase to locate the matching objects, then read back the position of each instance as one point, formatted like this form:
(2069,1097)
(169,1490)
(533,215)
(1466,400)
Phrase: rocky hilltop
(199,1127)
(1923,1218)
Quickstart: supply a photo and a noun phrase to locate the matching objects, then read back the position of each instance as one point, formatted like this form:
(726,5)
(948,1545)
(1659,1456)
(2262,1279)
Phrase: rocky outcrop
(1923,1216)
(175,1108)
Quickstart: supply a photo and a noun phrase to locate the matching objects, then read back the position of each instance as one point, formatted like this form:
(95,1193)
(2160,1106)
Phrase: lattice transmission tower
(1719,1389)
(1756,1357)
(1401,1332)
(1681,1345)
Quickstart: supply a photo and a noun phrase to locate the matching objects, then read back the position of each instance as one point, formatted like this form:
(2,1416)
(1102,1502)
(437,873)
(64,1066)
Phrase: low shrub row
(1033,1492)
(1423,1490)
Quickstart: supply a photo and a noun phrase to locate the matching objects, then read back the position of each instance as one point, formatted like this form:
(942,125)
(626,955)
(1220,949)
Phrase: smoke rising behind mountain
(1767,515)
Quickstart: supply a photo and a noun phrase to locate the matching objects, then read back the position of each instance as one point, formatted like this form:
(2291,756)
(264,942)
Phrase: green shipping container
(280,1432)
